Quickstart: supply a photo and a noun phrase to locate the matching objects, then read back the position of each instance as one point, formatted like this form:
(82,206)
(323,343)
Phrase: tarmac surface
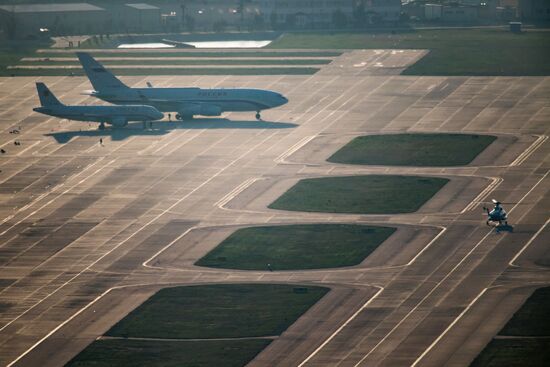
(90,231)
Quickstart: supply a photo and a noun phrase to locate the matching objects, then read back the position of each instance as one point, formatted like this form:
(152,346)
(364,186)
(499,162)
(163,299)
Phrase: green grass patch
(189,62)
(372,194)
(293,247)
(168,71)
(533,318)
(131,353)
(11,52)
(525,339)
(218,311)
(191,54)
(532,352)
(452,51)
(413,149)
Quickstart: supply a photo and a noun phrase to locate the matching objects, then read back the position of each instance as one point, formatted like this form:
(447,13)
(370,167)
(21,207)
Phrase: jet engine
(200,109)
(119,122)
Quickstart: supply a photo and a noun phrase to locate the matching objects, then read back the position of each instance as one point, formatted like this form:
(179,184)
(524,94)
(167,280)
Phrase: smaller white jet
(115,115)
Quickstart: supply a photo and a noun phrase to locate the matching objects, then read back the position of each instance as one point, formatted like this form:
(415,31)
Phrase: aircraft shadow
(164,127)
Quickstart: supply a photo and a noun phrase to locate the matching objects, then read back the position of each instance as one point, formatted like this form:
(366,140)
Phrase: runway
(88,232)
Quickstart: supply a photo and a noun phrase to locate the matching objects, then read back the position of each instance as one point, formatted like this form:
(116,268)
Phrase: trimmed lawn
(525,339)
(514,353)
(218,311)
(413,149)
(170,71)
(371,194)
(452,51)
(293,247)
(131,353)
(533,318)
(145,63)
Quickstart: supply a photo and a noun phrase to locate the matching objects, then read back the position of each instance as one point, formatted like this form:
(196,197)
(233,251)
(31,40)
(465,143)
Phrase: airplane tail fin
(47,98)
(101,78)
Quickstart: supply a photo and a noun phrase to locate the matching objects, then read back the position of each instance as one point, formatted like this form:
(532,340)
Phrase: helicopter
(497,215)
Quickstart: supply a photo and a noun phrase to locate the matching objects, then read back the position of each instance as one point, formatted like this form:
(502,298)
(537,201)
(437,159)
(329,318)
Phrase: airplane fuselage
(116,115)
(195,101)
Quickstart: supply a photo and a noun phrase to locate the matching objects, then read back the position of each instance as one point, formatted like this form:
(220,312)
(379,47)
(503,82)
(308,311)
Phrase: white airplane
(115,115)
(186,102)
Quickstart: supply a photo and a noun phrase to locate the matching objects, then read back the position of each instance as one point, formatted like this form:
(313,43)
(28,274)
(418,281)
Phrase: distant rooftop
(142,6)
(48,8)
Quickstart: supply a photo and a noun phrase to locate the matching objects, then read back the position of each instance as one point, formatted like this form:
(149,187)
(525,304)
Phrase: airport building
(30,20)
(134,18)
(328,13)
(27,20)
(536,10)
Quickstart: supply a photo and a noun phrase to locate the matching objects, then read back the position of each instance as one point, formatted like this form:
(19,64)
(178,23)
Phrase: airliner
(117,116)
(186,102)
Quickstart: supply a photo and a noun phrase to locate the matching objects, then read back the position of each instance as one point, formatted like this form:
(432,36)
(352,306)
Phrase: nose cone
(159,115)
(279,100)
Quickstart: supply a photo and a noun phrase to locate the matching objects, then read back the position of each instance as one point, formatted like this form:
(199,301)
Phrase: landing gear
(258,116)
(102,126)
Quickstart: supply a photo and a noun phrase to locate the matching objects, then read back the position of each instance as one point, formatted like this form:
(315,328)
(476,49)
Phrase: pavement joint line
(106,337)
(29,147)
(350,319)
(528,192)
(283,160)
(52,191)
(445,278)
(436,286)
(77,314)
(451,325)
(511,263)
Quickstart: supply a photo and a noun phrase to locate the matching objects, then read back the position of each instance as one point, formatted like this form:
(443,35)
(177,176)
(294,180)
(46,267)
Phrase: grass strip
(218,311)
(372,194)
(515,352)
(168,71)
(191,54)
(294,247)
(452,51)
(189,62)
(131,353)
(533,318)
(11,52)
(525,339)
(413,149)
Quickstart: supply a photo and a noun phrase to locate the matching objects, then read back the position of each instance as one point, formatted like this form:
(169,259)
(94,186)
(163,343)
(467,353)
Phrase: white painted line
(29,147)
(340,328)
(293,149)
(236,191)
(511,263)
(136,232)
(483,194)
(58,327)
(527,152)
(145,263)
(443,230)
(528,192)
(57,196)
(449,327)
(479,295)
